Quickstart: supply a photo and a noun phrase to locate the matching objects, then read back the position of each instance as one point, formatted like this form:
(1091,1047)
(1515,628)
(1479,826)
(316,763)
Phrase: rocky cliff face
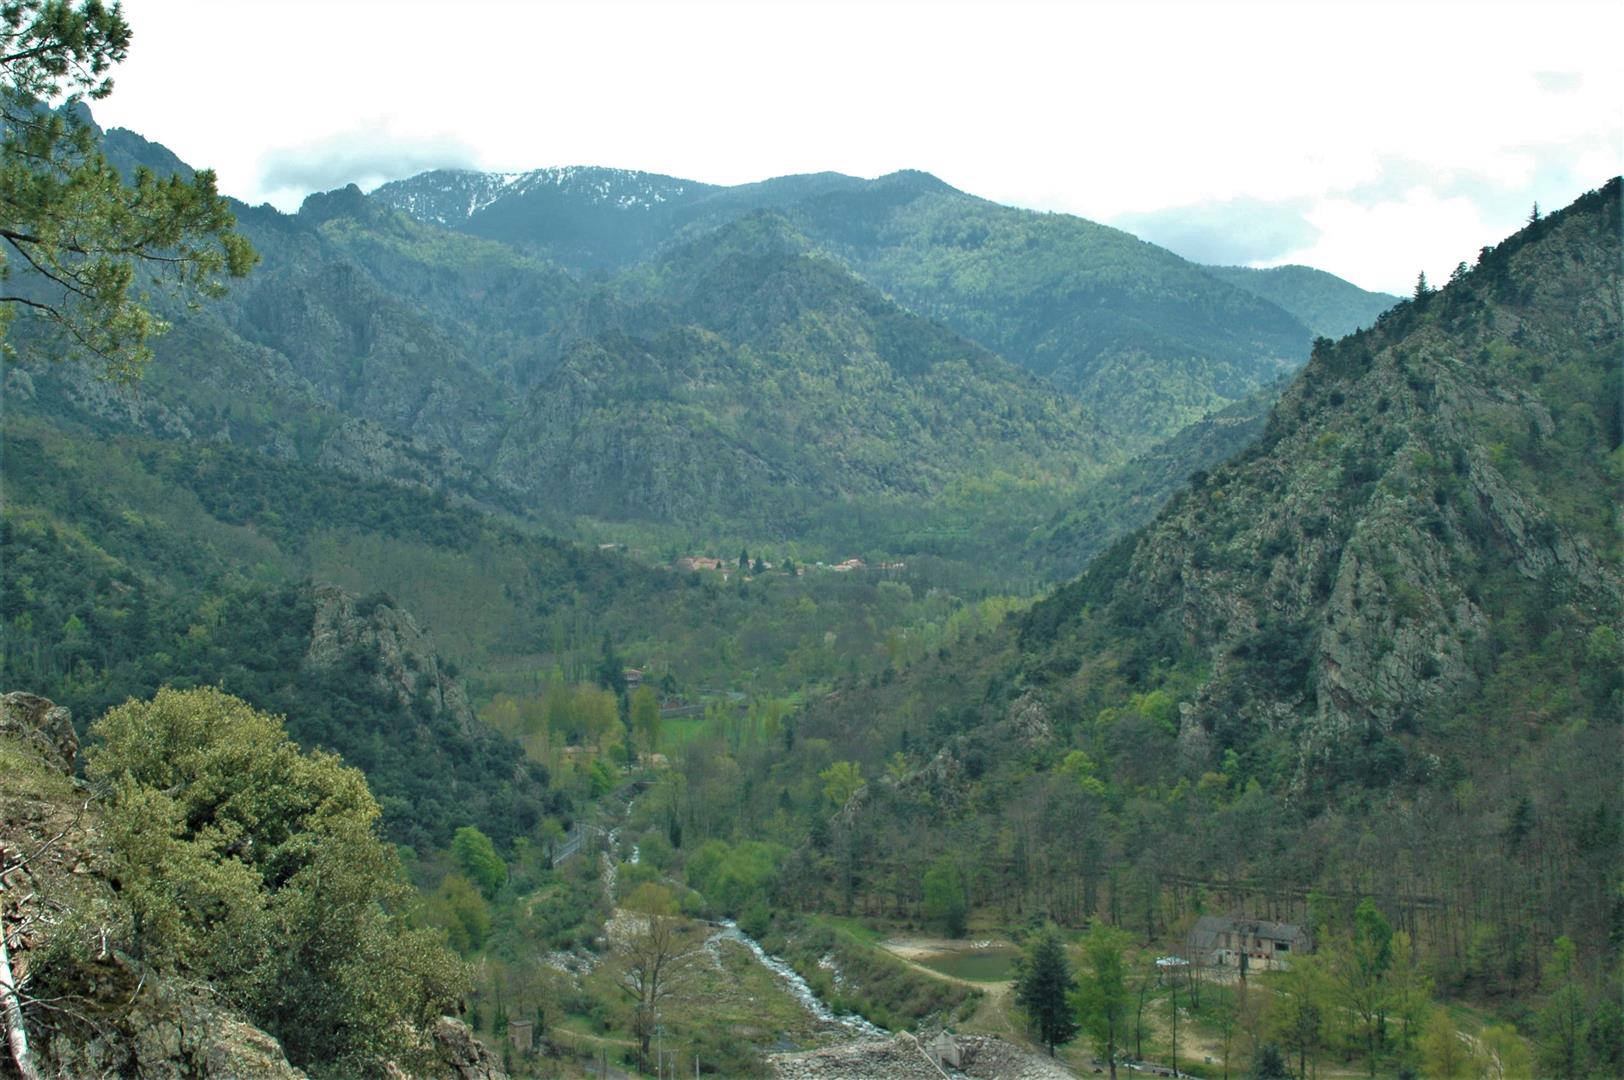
(401,658)
(1425,496)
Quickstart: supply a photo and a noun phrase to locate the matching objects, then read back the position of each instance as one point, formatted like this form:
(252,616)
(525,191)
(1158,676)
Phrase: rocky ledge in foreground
(906,1057)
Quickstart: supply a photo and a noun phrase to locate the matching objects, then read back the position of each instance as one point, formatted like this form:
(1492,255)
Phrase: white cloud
(1101,109)
(366,155)
(1235,231)
(1365,240)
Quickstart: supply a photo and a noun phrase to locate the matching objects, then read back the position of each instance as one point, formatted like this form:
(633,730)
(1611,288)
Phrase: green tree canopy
(945,901)
(1560,1021)
(1103,1000)
(840,781)
(251,865)
(1358,968)
(645,710)
(477,856)
(944,897)
(79,242)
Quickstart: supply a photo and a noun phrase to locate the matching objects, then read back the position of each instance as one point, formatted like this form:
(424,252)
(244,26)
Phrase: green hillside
(1374,656)
(1130,494)
(740,387)
(1146,340)
(765,383)
(1327,305)
(1143,338)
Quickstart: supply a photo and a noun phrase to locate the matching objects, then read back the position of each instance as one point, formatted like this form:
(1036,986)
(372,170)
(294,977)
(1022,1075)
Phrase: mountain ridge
(1055,294)
(1361,659)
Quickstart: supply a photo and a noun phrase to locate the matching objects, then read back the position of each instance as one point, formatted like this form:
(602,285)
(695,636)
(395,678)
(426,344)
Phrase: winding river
(797,986)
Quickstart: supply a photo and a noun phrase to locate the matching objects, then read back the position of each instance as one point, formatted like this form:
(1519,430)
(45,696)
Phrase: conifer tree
(1043,991)
(78,241)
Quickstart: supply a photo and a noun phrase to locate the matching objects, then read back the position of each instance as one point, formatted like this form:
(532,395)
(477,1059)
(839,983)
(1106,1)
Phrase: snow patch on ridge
(447,194)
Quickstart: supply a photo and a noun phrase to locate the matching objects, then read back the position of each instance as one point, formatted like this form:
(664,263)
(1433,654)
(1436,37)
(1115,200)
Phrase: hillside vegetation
(1146,341)
(1327,305)
(1375,656)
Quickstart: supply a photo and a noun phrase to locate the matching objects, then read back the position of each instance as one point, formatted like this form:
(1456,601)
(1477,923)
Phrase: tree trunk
(16,1034)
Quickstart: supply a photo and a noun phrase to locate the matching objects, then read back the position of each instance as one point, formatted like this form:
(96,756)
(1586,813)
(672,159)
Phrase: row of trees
(576,714)
(1362,995)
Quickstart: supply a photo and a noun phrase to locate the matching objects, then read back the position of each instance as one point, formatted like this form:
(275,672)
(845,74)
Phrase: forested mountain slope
(1141,336)
(741,384)
(760,381)
(1129,494)
(1376,655)
(735,383)
(1147,340)
(1426,500)
(128,564)
(1327,305)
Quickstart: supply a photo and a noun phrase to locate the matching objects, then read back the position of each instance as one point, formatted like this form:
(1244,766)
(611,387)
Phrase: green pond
(977,965)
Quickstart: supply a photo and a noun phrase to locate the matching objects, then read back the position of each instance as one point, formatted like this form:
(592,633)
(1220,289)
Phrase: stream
(798,987)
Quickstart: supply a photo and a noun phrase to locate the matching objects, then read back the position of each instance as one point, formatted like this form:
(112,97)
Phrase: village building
(690,563)
(521,1034)
(1248,944)
(944,1050)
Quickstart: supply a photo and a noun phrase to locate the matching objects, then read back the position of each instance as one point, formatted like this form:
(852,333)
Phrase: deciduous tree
(1444,1055)
(653,955)
(945,901)
(1301,1015)
(1358,966)
(840,781)
(646,716)
(1103,999)
(477,856)
(1560,1022)
(247,863)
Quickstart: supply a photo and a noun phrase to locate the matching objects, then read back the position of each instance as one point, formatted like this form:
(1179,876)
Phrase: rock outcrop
(908,1057)
(462,1056)
(43,724)
(368,451)
(402,658)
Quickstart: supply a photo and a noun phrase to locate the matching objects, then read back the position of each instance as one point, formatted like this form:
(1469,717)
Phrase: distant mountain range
(767,358)
(1145,339)
(1376,653)
(1327,305)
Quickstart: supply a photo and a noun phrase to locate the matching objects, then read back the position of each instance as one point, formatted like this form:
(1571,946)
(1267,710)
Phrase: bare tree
(654,954)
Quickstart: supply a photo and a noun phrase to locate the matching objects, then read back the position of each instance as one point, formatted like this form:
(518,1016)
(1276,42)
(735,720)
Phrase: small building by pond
(1248,944)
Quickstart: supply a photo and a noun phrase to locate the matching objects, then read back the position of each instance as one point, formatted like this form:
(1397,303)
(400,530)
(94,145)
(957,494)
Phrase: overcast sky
(1372,140)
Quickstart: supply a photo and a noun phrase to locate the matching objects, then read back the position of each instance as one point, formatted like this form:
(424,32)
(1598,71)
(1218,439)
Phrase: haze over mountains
(545,341)
(1143,337)
(992,568)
